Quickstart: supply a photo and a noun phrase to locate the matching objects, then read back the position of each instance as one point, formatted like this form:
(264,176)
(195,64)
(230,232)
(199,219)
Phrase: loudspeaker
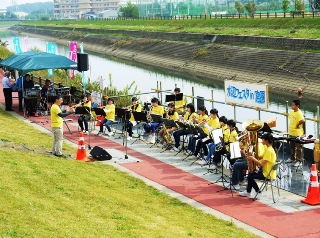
(100,154)
(83,62)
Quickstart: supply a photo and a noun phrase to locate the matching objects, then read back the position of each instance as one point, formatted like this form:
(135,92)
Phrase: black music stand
(123,114)
(142,118)
(84,111)
(174,97)
(196,130)
(156,119)
(222,178)
(99,111)
(184,127)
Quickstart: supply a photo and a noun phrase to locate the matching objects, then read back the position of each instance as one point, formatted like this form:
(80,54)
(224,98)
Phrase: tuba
(252,127)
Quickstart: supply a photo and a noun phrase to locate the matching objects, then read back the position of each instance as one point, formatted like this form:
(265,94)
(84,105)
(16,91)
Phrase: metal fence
(159,91)
(293,14)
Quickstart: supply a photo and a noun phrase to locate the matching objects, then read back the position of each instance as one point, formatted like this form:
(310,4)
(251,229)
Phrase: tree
(130,10)
(299,5)
(285,5)
(239,7)
(251,8)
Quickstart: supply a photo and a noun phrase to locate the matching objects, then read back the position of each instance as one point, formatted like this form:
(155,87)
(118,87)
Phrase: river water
(124,73)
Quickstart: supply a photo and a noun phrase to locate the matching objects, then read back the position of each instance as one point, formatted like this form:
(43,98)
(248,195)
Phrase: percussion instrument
(63,91)
(33,92)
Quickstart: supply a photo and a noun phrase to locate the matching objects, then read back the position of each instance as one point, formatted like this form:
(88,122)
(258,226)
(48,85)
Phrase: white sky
(7,3)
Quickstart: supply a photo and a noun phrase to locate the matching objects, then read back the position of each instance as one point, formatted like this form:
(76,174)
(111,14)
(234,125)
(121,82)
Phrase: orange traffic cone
(99,119)
(313,196)
(82,153)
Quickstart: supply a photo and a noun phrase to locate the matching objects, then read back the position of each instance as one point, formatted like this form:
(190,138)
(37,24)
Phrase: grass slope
(42,196)
(298,27)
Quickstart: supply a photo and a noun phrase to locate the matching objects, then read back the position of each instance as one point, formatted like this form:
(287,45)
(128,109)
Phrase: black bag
(100,154)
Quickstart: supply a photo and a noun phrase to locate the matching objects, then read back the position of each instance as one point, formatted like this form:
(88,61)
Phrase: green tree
(239,7)
(299,5)
(130,10)
(251,8)
(285,5)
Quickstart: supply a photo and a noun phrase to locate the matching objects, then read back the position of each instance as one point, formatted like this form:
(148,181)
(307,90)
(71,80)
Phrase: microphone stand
(125,138)
(89,131)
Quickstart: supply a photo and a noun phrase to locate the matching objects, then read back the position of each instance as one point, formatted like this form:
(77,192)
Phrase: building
(108,14)
(77,9)
(3,11)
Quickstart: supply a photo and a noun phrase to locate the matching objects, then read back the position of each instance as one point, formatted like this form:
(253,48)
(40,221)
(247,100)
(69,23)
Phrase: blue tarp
(33,61)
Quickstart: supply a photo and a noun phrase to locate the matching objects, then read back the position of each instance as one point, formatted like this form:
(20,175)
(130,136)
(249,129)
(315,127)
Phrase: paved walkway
(288,218)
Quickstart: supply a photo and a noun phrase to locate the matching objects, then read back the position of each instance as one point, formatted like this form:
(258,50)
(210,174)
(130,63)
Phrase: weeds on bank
(304,27)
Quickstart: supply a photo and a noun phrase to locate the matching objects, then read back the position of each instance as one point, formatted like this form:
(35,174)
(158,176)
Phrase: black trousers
(7,92)
(20,100)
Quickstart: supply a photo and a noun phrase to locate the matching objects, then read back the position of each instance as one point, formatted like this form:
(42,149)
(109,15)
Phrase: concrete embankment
(209,63)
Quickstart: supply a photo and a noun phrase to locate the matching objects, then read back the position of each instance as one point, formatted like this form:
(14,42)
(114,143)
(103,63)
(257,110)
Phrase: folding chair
(269,181)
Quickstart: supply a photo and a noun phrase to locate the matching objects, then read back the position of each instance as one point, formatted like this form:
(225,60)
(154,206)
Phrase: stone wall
(261,41)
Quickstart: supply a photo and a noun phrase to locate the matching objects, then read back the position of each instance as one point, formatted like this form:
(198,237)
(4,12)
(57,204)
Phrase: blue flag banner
(16,45)
(52,49)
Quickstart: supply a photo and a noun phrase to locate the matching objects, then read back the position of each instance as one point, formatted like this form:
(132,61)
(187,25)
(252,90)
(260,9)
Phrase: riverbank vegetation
(287,27)
(43,196)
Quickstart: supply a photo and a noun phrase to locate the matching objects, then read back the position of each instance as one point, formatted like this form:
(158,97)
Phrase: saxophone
(166,135)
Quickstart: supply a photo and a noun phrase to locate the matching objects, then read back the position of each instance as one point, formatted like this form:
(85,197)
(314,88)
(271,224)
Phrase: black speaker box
(100,154)
(83,62)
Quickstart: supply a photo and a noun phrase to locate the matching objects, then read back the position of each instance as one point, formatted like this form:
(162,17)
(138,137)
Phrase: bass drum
(316,153)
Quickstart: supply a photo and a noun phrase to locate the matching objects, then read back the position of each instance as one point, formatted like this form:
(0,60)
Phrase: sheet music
(216,134)
(235,150)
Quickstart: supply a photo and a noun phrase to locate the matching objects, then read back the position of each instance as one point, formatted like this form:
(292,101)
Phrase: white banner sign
(247,94)
(96,97)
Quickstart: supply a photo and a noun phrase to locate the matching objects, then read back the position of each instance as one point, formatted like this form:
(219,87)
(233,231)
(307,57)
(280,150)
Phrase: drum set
(39,103)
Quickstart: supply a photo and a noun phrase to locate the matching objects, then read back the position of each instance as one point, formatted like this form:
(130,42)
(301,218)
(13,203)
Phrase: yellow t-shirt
(214,123)
(158,110)
(87,104)
(174,117)
(135,109)
(233,136)
(294,118)
(269,156)
(226,133)
(189,116)
(179,105)
(202,118)
(110,115)
(56,121)
(261,148)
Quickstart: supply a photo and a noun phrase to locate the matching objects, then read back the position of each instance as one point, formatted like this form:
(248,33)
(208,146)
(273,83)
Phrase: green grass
(302,27)
(42,196)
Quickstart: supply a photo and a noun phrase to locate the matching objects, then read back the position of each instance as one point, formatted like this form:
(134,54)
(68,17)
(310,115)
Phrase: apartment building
(78,9)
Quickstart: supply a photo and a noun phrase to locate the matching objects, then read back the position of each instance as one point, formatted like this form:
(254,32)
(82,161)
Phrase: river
(123,74)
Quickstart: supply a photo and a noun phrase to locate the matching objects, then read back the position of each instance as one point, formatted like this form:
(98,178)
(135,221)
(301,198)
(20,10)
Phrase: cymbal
(252,125)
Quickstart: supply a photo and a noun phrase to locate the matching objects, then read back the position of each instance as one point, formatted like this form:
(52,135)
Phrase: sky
(7,3)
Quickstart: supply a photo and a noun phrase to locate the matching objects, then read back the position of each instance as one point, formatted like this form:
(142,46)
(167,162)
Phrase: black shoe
(10,109)
(61,156)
